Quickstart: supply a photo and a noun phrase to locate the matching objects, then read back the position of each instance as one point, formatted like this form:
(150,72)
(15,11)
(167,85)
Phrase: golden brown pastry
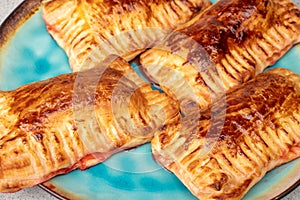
(258,129)
(75,121)
(81,27)
(226,45)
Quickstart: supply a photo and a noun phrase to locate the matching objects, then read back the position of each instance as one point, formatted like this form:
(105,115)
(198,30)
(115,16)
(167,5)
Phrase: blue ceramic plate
(28,53)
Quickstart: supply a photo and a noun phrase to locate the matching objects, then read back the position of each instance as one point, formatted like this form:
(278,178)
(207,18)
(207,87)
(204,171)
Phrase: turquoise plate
(28,53)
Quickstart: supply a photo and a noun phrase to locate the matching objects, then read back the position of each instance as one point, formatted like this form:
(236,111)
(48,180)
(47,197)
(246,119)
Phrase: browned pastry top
(224,46)
(247,106)
(253,129)
(82,27)
(231,23)
(76,121)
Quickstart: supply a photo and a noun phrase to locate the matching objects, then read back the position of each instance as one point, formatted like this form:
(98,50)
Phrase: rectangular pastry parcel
(221,155)
(225,45)
(93,30)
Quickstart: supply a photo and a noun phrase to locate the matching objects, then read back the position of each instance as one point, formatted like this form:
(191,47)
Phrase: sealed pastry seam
(259,133)
(60,124)
(82,28)
(224,46)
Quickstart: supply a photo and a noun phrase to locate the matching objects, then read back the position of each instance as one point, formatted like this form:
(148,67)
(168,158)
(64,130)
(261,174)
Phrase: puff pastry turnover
(260,130)
(75,121)
(223,46)
(81,27)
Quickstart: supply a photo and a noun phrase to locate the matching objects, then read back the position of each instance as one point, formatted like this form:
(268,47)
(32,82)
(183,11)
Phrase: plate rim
(8,28)
(16,18)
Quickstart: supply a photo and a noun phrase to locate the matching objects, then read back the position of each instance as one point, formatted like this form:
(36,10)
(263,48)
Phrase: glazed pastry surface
(76,121)
(222,155)
(224,46)
(95,29)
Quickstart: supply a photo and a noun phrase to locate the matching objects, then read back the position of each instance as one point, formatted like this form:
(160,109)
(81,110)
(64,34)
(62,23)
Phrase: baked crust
(222,155)
(224,46)
(76,121)
(81,27)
